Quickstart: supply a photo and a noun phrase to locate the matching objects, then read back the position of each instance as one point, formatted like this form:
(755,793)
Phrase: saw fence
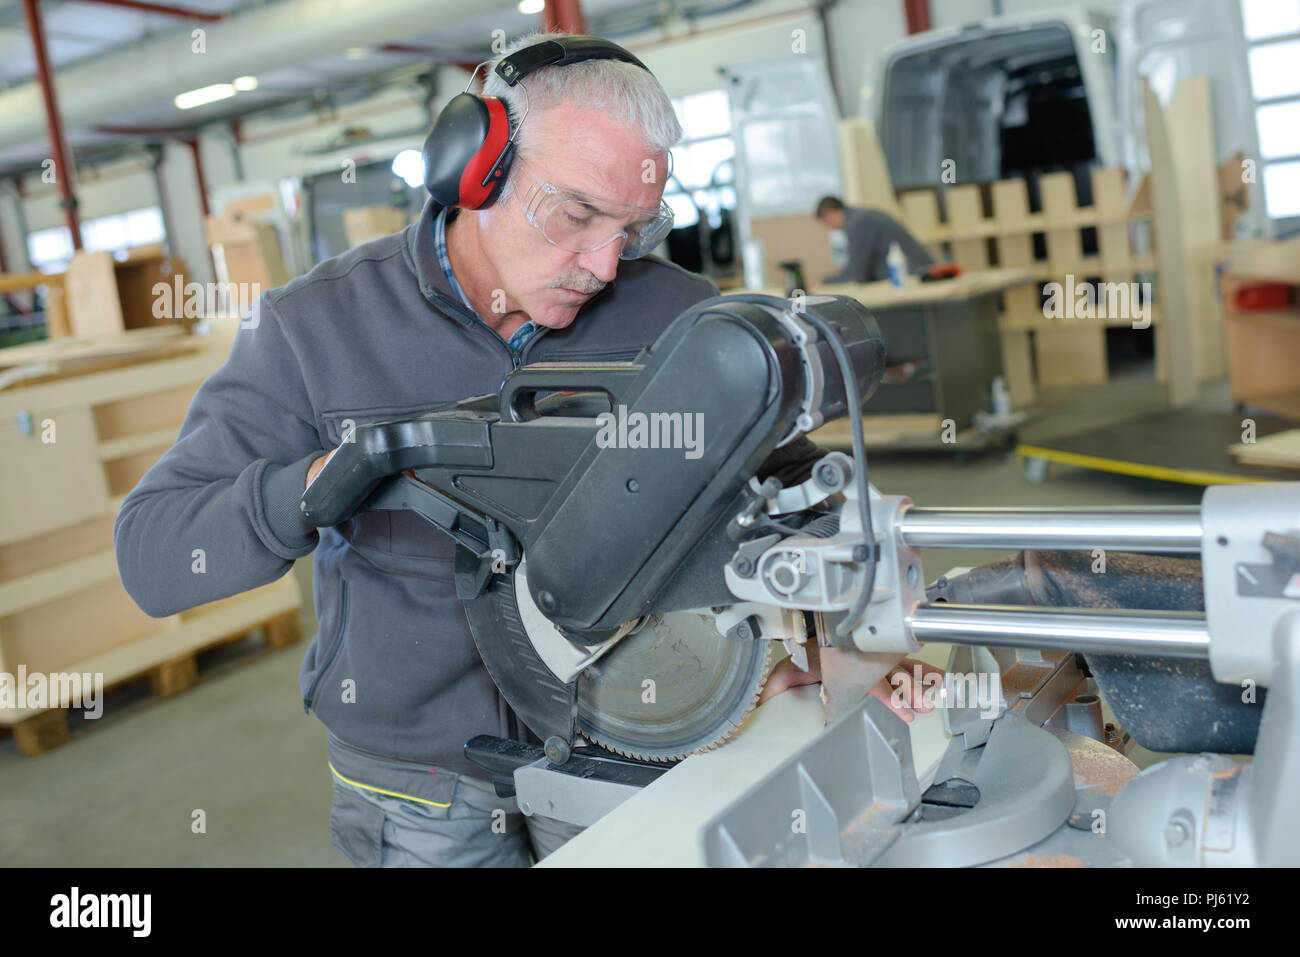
(80,424)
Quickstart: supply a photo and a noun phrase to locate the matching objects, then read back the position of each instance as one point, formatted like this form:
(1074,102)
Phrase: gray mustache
(589,283)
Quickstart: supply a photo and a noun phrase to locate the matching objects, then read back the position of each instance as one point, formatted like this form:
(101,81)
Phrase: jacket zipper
(320,674)
(516,359)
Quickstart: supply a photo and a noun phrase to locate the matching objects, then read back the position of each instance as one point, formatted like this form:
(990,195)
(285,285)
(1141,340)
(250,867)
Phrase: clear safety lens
(582,224)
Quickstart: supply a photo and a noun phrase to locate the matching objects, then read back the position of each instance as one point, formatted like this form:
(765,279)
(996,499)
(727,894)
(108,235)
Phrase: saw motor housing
(617,530)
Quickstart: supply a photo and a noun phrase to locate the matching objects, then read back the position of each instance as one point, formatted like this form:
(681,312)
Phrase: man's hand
(316,466)
(787,675)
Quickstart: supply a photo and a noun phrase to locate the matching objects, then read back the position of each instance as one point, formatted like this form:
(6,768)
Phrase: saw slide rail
(1234,614)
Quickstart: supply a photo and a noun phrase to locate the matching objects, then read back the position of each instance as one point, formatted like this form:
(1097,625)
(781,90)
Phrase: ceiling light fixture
(204,95)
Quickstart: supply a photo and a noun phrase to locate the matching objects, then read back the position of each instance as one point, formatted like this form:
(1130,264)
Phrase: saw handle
(520,390)
(371,453)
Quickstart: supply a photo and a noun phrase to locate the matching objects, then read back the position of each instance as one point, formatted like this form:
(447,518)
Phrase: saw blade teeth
(594,737)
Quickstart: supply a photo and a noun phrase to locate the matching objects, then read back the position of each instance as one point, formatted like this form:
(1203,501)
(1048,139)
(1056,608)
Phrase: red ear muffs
(467,153)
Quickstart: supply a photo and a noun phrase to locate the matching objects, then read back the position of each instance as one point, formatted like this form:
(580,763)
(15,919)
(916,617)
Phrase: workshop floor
(238,747)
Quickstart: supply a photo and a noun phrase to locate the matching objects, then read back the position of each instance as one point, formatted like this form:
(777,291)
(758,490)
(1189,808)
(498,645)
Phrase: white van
(1033,93)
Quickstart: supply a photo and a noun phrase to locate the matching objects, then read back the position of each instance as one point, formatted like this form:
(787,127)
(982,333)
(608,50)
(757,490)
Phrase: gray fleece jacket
(371,335)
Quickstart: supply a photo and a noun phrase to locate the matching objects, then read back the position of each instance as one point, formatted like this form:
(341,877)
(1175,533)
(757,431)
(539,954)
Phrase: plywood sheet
(866,175)
(798,237)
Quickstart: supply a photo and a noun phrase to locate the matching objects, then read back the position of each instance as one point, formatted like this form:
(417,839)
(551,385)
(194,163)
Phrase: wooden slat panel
(1020,306)
(1065,257)
(866,175)
(57,323)
(1114,251)
(131,416)
(921,216)
(1064,244)
(1263,355)
(23,281)
(61,581)
(123,474)
(1190,124)
(158,641)
(116,384)
(966,218)
(59,634)
(799,237)
(1069,357)
(155,440)
(49,485)
(54,547)
(1175,337)
(93,304)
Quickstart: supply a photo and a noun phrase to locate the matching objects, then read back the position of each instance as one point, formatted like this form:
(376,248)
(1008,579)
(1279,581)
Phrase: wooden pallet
(40,731)
(113,406)
(992,226)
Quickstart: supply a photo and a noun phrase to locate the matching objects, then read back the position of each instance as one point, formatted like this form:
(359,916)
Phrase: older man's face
(575,148)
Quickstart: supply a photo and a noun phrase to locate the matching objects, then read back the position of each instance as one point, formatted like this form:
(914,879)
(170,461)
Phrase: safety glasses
(582,224)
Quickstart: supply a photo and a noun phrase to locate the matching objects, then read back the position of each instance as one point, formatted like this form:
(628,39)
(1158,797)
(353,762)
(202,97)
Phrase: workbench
(943,353)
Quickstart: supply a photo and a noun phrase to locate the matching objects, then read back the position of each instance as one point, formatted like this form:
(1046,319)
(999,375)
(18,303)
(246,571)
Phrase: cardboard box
(364,223)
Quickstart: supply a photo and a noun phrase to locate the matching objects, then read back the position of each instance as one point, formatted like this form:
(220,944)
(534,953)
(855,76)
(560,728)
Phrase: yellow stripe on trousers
(397,794)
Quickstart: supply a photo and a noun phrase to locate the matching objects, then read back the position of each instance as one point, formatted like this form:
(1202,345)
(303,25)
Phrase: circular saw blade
(673,688)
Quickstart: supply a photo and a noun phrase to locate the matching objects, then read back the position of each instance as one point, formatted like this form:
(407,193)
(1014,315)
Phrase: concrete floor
(239,747)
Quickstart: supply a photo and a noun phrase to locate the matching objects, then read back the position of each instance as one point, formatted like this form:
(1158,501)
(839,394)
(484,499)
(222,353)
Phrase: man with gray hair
(556,268)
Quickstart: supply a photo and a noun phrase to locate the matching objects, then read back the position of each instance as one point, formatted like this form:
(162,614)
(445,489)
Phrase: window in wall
(702,172)
(1272,29)
(50,250)
(701,189)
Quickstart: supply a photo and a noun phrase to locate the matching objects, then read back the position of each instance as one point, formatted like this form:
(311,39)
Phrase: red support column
(193,144)
(563,16)
(63,169)
(918,15)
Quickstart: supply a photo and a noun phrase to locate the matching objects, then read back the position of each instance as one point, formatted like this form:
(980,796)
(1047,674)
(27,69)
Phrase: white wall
(123,186)
(859,32)
(15,247)
(101,191)
(184,212)
(689,63)
(275,149)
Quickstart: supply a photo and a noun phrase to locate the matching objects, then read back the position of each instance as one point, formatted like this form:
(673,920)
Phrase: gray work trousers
(379,827)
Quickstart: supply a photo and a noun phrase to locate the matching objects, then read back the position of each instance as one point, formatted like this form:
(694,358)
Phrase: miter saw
(626,594)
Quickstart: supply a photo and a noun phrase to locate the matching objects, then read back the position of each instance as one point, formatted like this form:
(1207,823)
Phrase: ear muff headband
(467,154)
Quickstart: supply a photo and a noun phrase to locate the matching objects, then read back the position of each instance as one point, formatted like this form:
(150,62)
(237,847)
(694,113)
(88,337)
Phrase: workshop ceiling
(83,37)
